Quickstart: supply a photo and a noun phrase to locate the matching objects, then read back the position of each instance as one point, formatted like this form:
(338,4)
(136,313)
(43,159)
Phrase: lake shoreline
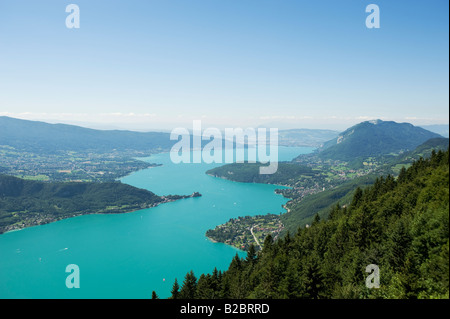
(46,219)
(127,255)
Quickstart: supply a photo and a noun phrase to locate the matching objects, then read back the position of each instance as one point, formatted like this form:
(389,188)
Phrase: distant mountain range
(375,138)
(36,136)
(305,137)
(424,150)
(371,138)
(442,129)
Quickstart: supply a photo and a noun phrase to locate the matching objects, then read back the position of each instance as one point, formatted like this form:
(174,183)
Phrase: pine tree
(357,196)
(175,290)
(251,254)
(398,244)
(313,279)
(334,211)
(236,263)
(189,288)
(215,282)
(204,289)
(316,220)
(402,176)
(268,243)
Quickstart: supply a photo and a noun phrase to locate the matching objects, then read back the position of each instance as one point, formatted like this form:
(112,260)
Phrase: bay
(129,255)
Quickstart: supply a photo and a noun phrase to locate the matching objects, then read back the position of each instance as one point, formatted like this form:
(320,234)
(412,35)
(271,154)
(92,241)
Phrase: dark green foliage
(400,225)
(189,288)
(251,254)
(25,203)
(249,173)
(154,295)
(175,290)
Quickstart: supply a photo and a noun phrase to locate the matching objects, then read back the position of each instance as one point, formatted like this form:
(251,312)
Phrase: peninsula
(25,203)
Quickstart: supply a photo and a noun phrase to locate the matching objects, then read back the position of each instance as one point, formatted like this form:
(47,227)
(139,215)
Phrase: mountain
(375,138)
(302,209)
(40,137)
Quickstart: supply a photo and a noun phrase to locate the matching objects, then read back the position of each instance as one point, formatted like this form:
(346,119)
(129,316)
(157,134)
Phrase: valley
(239,207)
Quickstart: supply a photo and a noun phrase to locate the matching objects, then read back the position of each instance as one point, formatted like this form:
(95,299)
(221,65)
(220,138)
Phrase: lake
(129,255)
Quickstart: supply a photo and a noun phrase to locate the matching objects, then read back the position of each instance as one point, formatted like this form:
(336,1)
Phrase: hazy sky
(162,63)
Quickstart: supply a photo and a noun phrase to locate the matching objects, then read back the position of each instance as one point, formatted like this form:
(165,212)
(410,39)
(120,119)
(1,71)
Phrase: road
(254,237)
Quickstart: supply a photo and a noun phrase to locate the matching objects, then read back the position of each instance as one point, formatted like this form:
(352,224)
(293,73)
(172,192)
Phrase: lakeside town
(242,232)
(70,166)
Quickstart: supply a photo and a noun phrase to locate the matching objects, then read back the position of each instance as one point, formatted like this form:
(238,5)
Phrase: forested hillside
(26,203)
(303,212)
(401,225)
(375,138)
(423,150)
(286,173)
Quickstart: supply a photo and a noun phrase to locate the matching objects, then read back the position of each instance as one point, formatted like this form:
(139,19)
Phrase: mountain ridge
(375,138)
(45,137)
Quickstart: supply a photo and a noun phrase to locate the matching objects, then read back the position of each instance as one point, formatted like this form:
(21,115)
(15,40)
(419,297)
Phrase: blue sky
(163,63)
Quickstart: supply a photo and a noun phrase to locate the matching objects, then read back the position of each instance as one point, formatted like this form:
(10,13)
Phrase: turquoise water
(129,255)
